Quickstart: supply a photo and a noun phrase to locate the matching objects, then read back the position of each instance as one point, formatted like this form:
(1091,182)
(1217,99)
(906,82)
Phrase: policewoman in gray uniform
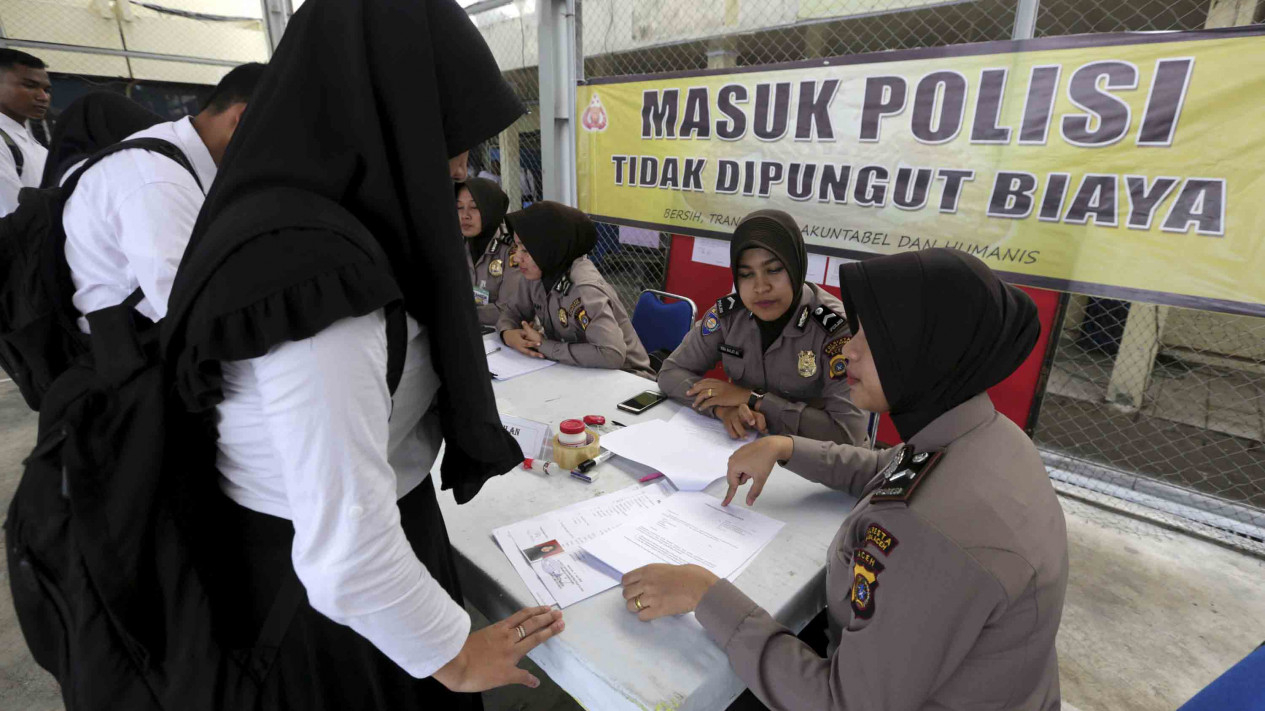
(563,309)
(481,207)
(945,585)
(780,340)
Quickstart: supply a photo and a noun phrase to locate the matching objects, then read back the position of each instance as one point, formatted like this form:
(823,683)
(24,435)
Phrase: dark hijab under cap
(89,124)
(334,200)
(941,326)
(777,232)
(554,235)
(492,203)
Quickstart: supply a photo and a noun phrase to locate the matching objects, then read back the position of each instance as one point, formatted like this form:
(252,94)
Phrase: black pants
(322,665)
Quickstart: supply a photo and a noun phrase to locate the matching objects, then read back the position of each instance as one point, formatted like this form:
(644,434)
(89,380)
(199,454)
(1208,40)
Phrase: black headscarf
(941,326)
(493,204)
(334,200)
(89,124)
(777,232)
(554,235)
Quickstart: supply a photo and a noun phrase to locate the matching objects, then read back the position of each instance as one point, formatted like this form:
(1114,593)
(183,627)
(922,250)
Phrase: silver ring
(522,635)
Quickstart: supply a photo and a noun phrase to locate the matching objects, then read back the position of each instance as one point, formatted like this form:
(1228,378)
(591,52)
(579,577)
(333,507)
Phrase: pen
(590,463)
(494,350)
(650,477)
(582,477)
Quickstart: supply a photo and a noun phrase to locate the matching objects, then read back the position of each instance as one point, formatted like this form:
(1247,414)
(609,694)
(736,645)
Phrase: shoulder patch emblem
(514,260)
(881,539)
(807,364)
(711,322)
(726,304)
(574,308)
(865,572)
(582,318)
(903,480)
(837,365)
(734,351)
(828,319)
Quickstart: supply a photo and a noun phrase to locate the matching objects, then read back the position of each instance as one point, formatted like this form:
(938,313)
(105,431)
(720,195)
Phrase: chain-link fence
(1156,411)
(185,41)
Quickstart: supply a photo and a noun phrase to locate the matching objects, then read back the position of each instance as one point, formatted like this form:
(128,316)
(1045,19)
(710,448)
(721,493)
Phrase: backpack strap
(397,344)
(19,159)
(155,145)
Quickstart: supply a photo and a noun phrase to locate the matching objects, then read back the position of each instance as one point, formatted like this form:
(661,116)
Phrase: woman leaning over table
(945,584)
(779,338)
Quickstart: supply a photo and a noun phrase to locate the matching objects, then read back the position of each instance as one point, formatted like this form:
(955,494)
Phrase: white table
(607,659)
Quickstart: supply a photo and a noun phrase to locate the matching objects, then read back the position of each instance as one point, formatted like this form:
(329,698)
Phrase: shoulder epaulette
(828,319)
(904,473)
(729,304)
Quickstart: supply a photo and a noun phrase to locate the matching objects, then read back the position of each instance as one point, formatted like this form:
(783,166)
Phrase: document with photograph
(689,527)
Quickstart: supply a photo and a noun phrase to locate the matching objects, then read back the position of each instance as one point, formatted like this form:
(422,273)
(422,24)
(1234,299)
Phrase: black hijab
(941,326)
(493,204)
(777,232)
(89,124)
(334,200)
(554,235)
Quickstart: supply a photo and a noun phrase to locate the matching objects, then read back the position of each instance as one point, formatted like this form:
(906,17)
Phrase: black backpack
(109,524)
(38,335)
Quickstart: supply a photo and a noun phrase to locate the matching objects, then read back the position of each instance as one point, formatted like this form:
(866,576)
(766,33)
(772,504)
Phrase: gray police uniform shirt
(497,273)
(581,319)
(803,374)
(944,586)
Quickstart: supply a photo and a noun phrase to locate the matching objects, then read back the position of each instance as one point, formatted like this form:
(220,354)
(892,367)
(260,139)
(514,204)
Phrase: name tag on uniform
(481,296)
(731,350)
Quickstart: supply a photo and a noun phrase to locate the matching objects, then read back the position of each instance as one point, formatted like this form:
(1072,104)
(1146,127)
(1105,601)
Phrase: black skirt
(321,665)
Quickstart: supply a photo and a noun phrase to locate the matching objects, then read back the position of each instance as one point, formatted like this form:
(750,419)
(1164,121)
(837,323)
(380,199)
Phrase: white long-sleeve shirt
(129,220)
(310,432)
(33,157)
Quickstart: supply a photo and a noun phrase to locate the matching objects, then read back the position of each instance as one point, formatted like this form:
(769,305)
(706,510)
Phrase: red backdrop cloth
(1013,397)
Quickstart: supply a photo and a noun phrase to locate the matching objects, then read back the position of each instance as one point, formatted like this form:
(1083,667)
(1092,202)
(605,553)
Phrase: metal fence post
(1025,19)
(276,15)
(558,77)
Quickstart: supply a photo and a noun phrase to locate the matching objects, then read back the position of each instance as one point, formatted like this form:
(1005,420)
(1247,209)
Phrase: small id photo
(542,550)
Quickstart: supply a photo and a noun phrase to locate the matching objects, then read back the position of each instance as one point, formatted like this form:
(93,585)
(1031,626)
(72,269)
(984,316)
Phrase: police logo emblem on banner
(562,317)
(807,364)
(865,571)
(594,118)
(496,268)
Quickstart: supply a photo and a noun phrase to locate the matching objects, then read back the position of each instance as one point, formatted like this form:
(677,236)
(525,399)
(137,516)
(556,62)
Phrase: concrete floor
(1151,617)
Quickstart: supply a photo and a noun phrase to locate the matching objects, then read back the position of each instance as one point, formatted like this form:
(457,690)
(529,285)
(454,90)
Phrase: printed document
(690,449)
(548,551)
(507,363)
(689,527)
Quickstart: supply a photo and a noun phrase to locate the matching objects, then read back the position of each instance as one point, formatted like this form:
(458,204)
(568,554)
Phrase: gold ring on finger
(522,634)
(637,602)
(710,392)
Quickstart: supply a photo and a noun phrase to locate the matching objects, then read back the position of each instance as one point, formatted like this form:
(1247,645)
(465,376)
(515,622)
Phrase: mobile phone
(642,402)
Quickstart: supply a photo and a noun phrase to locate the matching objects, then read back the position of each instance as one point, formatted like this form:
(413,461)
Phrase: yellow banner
(1130,166)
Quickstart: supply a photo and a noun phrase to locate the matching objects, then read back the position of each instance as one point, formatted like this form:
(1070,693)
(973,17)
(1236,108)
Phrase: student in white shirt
(130,217)
(322,225)
(25,92)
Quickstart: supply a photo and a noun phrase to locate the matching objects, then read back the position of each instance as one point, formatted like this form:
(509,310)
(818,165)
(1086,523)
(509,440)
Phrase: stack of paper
(690,449)
(505,362)
(547,551)
(689,527)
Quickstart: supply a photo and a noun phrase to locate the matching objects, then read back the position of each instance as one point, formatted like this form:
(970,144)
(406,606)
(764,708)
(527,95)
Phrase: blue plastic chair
(1239,689)
(662,325)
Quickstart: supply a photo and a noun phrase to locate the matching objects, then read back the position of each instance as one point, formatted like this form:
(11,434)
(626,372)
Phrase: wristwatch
(756,397)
